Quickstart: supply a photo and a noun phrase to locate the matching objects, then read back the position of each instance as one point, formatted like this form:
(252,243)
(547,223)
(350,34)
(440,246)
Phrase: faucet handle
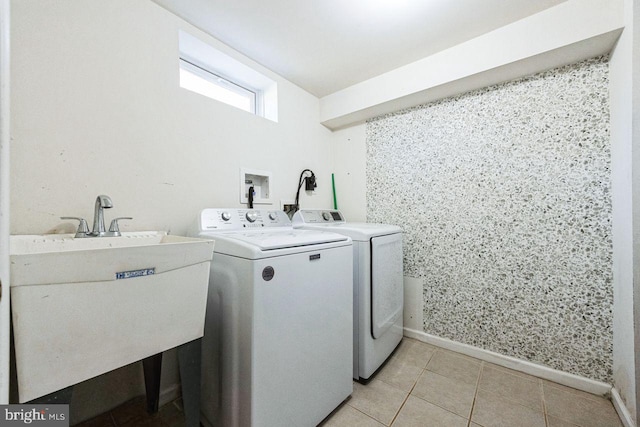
(114,230)
(83,228)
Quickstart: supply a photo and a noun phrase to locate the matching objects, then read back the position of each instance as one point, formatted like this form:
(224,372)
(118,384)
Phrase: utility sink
(85,306)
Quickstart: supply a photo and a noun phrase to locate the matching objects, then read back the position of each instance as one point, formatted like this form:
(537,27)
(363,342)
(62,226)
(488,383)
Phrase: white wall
(625,110)
(349,163)
(97,110)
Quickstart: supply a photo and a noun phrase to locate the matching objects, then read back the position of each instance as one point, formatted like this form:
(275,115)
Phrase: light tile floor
(427,386)
(424,385)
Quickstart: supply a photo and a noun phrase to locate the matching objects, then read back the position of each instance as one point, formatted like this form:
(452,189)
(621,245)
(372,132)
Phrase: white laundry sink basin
(83,307)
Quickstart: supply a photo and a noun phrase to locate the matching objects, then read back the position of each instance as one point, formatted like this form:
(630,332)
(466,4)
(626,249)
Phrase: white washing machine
(378,289)
(277,346)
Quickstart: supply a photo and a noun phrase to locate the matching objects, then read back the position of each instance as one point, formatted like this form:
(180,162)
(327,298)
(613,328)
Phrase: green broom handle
(333,185)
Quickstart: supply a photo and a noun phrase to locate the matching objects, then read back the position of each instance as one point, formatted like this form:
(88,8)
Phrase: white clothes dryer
(277,346)
(378,289)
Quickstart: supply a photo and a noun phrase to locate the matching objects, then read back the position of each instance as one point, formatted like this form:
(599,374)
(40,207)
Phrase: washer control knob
(226,216)
(326,216)
(273,216)
(251,216)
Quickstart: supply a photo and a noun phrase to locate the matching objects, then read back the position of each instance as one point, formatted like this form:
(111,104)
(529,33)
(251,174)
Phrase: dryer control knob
(273,216)
(251,216)
(226,216)
(326,216)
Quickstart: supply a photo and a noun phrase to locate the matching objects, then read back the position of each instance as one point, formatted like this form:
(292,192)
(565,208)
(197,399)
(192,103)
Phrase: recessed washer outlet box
(288,206)
(260,181)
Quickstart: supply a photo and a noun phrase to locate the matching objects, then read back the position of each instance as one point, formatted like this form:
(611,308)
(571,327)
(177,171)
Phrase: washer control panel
(309,216)
(239,219)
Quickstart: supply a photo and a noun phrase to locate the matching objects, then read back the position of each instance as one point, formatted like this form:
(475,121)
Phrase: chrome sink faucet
(102,202)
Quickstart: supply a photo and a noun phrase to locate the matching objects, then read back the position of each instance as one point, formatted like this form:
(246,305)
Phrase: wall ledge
(544,372)
(579,51)
(567,33)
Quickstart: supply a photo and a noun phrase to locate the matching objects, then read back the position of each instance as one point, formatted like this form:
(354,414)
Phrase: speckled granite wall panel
(503,195)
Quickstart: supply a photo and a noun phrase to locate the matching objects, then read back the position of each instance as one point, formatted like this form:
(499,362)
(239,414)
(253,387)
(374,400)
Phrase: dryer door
(387,292)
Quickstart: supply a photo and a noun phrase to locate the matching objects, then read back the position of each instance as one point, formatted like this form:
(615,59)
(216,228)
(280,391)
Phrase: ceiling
(324,46)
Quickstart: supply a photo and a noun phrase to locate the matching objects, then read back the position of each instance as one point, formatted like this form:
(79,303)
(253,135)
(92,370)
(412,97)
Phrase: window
(215,74)
(198,79)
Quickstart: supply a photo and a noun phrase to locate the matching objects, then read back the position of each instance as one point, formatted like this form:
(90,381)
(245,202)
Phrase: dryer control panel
(308,216)
(241,219)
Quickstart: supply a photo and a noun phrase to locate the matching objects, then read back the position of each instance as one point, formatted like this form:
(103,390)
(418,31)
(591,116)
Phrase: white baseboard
(560,377)
(621,409)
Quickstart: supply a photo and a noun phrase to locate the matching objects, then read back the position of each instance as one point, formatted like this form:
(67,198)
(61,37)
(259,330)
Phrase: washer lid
(359,231)
(270,240)
(260,244)
(333,220)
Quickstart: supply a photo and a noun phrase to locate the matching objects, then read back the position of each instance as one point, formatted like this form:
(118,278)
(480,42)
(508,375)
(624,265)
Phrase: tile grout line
(408,394)
(544,402)
(402,406)
(414,386)
(475,394)
(364,413)
(426,369)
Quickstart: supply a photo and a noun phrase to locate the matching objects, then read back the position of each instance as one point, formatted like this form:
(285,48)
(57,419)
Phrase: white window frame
(253,95)
(218,60)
